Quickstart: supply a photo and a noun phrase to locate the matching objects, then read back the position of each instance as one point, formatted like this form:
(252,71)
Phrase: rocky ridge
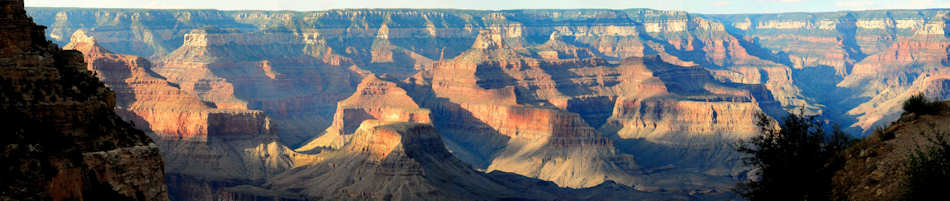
(225,68)
(374,99)
(62,140)
(875,168)
(388,160)
(157,105)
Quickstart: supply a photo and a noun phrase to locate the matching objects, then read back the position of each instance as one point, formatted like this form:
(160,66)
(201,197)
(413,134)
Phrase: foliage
(920,105)
(928,171)
(883,134)
(796,161)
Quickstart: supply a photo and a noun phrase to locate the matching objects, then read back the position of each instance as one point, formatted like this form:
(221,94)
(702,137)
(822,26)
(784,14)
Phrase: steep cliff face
(502,113)
(240,148)
(227,69)
(779,51)
(137,33)
(912,64)
(691,95)
(839,39)
(205,148)
(62,140)
(374,99)
(702,132)
(549,145)
(503,108)
(685,123)
(157,105)
(390,163)
(393,152)
(131,77)
(876,56)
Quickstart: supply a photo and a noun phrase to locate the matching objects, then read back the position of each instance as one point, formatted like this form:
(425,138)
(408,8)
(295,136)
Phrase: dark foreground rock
(60,138)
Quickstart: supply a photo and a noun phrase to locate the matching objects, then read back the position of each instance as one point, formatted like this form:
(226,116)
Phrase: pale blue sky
(698,6)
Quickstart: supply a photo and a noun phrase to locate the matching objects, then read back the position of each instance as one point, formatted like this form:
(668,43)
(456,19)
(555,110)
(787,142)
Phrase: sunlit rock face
(532,115)
(157,105)
(735,46)
(374,99)
(393,160)
(204,145)
(911,64)
(295,88)
(649,99)
(522,131)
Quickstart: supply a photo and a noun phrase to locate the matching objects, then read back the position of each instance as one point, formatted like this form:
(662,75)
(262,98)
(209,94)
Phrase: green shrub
(919,104)
(883,134)
(796,162)
(928,171)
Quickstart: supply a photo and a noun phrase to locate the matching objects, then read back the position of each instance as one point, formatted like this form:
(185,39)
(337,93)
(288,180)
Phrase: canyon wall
(387,160)
(780,51)
(647,99)
(206,146)
(61,138)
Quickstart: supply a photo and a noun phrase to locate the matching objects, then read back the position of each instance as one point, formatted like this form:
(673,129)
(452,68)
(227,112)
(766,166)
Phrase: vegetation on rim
(795,161)
(800,160)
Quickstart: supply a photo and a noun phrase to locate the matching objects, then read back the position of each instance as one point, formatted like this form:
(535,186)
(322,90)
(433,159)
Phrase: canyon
(468,104)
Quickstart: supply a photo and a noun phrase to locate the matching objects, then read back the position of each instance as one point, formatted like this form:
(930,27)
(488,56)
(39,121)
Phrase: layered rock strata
(494,116)
(206,148)
(776,50)
(62,140)
(374,99)
(157,105)
(408,161)
(536,92)
(910,65)
(294,88)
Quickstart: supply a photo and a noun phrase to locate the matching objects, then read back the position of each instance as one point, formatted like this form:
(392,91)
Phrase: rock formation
(501,113)
(696,117)
(874,169)
(225,68)
(776,50)
(407,161)
(374,99)
(205,148)
(146,98)
(529,106)
(62,140)
(910,65)
(644,98)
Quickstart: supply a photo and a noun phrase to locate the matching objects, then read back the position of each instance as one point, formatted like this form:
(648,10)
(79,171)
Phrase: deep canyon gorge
(443,104)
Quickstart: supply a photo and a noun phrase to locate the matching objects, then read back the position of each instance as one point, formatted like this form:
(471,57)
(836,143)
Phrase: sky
(695,6)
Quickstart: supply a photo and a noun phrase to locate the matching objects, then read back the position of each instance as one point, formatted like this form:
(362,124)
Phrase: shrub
(883,134)
(920,105)
(928,171)
(796,161)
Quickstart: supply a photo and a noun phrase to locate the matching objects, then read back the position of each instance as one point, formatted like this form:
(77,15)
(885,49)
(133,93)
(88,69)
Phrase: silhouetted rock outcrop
(61,138)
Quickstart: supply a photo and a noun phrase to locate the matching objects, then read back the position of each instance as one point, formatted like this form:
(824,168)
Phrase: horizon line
(491,10)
